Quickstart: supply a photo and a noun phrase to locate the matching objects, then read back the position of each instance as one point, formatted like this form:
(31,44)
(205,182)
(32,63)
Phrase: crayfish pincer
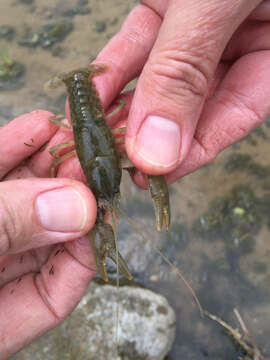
(98,155)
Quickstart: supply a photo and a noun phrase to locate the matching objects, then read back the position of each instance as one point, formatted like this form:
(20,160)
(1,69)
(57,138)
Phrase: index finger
(127,52)
(22,137)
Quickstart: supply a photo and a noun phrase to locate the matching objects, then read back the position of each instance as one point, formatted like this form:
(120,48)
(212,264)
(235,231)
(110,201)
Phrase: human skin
(213,88)
(203,66)
(45,259)
(46,262)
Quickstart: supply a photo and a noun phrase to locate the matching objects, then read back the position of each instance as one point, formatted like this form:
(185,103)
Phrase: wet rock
(146,323)
(146,328)
(6,113)
(252,138)
(29,38)
(100,26)
(245,162)
(7,32)
(11,72)
(235,219)
(47,36)
(81,8)
(27,2)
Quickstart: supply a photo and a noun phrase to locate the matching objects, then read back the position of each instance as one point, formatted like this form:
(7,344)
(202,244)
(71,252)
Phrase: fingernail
(158,141)
(61,210)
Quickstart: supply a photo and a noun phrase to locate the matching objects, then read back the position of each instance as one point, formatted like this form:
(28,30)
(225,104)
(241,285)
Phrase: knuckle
(242,107)
(208,153)
(253,116)
(180,74)
(210,143)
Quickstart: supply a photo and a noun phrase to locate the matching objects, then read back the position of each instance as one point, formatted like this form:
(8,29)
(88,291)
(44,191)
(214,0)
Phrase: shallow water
(221,249)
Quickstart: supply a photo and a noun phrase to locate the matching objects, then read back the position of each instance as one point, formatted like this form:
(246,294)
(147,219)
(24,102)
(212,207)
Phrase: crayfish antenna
(175,268)
(117,282)
(53,83)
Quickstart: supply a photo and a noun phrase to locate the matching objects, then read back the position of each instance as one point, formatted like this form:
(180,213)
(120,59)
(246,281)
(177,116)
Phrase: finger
(38,212)
(13,266)
(39,302)
(138,177)
(22,137)
(240,104)
(174,83)
(127,52)
(124,98)
(40,163)
(262,12)
(250,37)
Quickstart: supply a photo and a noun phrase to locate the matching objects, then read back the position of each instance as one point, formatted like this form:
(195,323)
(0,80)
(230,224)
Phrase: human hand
(204,66)
(42,276)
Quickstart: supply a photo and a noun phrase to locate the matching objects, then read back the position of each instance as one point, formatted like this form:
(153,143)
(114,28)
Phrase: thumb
(173,86)
(38,212)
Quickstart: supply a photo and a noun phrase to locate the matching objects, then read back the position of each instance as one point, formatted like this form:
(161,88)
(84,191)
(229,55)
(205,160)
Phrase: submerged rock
(146,328)
(81,8)
(234,219)
(7,32)
(11,72)
(100,26)
(48,35)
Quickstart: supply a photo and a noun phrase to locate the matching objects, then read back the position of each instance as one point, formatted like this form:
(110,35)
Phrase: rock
(146,323)
(11,73)
(48,35)
(100,26)
(146,328)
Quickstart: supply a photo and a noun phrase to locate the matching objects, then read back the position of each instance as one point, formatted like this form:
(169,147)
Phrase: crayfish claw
(121,263)
(103,246)
(160,196)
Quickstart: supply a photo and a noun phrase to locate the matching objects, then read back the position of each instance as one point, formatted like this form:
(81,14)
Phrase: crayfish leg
(119,107)
(97,69)
(160,196)
(53,83)
(119,138)
(55,149)
(119,133)
(59,120)
(60,159)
